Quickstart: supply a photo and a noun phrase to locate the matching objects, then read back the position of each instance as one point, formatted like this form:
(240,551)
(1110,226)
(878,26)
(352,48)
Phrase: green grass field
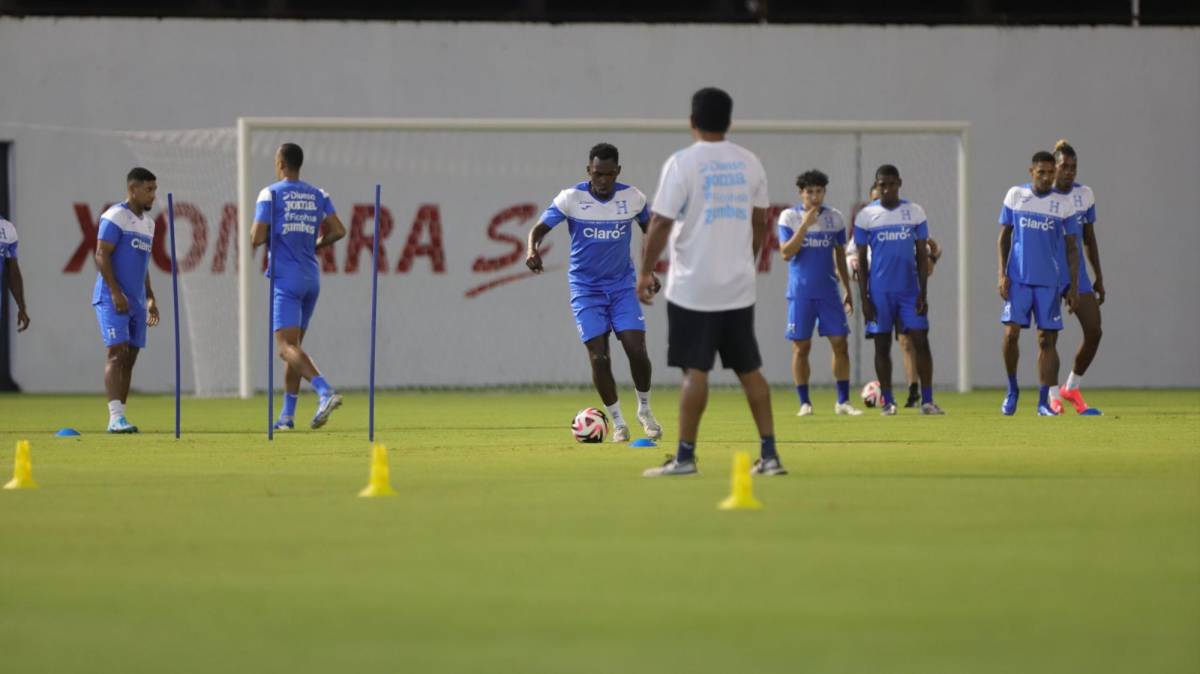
(964,544)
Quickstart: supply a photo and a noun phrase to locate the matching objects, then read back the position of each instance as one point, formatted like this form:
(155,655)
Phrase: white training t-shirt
(709,190)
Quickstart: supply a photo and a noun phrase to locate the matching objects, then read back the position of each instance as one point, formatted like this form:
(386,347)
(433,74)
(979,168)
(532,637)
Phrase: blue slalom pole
(174,299)
(271,320)
(374,304)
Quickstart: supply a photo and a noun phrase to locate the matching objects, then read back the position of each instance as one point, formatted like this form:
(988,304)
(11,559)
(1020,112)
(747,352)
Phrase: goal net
(456,305)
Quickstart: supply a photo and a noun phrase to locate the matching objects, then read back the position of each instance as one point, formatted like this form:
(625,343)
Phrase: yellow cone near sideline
(742,493)
(22,469)
(380,483)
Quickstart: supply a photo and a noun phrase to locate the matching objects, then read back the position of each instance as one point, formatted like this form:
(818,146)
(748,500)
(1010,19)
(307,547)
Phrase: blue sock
(321,386)
(767,447)
(802,391)
(843,386)
(1044,396)
(1012,384)
(926,394)
(887,396)
(686,452)
(289,406)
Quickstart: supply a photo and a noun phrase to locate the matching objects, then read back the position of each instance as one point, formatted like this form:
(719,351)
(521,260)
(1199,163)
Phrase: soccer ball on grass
(590,425)
(872,394)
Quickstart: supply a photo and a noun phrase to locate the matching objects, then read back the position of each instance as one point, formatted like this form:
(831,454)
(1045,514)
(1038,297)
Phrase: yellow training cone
(742,494)
(380,483)
(22,469)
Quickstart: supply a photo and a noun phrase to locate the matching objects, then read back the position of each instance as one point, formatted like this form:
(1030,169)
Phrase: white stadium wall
(1128,99)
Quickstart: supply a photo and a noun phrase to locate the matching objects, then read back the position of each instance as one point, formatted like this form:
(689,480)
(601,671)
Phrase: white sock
(116,409)
(1073,381)
(643,400)
(1054,394)
(614,411)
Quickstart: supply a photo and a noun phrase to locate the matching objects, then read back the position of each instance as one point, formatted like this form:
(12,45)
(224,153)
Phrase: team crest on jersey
(1053,206)
(1079,201)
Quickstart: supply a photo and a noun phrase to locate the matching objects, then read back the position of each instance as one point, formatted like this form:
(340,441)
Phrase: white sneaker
(805,410)
(889,410)
(770,466)
(671,467)
(620,434)
(847,409)
(650,424)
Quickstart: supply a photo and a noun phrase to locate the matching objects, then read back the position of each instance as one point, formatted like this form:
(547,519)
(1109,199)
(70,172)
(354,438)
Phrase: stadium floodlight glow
(859,131)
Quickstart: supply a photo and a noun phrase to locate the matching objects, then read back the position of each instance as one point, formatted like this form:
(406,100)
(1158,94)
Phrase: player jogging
(600,214)
(122,296)
(1091,293)
(296,211)
(893,282)
(10,266)
(712,205)
(812,239)
(1036,222)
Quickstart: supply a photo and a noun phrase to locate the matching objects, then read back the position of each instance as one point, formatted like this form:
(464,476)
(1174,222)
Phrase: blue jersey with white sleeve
(891,235)
(1039,223)
(601,232)
(295,220)
(132,237)
(811,272)
(8,245)
(1083,201)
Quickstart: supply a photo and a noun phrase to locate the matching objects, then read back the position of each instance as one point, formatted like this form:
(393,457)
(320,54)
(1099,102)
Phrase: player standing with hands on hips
(122,296)
(295,218)
(711,207)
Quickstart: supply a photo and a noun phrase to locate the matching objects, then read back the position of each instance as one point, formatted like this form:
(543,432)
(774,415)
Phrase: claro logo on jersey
(817,242)
(140,245)
(901,235)
(1027,222)
(604,234)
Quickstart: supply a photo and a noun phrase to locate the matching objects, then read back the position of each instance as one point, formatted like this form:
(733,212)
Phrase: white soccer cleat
(805,410)
(620,434)
(121,425)
(931,409)
(649,424)
(888,410)
(672,467)
(325,408)
(846,409)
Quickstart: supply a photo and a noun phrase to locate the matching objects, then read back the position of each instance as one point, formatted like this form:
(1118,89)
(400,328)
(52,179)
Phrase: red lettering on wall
(358,241)
(158,251)
(429,219)
(521,214)
(227,233)
(89,227)
(188,211)
(771,244)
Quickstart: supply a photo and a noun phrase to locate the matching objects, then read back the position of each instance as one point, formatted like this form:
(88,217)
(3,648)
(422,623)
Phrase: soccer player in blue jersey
(893,282)
(294,211)
(122,296)
(9,265)
(813,239)
(1036,222)
(1091,292)
(600,214)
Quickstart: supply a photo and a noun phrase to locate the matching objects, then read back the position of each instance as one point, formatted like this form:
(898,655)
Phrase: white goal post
(248,127)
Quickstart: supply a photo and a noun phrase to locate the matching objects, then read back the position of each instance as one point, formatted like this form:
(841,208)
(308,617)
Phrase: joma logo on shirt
(138,244)
(1034,223)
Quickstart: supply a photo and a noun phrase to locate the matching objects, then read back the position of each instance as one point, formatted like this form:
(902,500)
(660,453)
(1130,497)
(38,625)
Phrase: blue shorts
(1042,301)
(825,313)
(294,302)
(598,312)
(892,309)
(122,328)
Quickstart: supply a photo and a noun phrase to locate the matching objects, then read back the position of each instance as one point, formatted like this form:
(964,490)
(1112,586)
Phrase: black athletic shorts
(694,338)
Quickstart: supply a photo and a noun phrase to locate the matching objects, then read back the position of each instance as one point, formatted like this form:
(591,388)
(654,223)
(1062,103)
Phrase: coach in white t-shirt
(712,206)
